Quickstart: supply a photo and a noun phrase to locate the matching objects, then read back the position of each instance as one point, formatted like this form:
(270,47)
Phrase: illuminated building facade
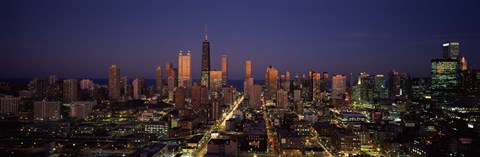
(444,80)
(114,82)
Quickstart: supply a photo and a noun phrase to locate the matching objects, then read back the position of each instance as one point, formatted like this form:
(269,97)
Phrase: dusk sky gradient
(81,38)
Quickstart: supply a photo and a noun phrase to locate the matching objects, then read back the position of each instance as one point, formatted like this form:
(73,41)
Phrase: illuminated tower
(184,73)
(271,81)
(224,69)
(114,82)
(248,83)
(444,80)
(206,61)
(248,69)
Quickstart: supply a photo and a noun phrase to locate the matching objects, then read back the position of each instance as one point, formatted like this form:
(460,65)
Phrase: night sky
(82,38)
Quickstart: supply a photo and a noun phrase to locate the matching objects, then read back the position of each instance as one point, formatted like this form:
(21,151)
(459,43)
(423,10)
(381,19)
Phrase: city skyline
(330,78)
(321,41)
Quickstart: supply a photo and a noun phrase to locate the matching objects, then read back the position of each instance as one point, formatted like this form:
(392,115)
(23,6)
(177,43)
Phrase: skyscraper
(451,50)
(271,81)
(282,98)
(46,110)
(159,80)
(255,96)
(215,80)
(393,84)
(338,86)
(224,69)
(113,82)
(205,81)
(138,87)
(248,69)
(316,85)
(444,80)
(248,82)
(70,90)
(184,72)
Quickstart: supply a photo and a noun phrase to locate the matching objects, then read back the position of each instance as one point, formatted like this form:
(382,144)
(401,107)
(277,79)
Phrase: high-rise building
(444,80)
(255,96)
(248,82)
(379,90)
(70,90)
(205,80)
(248,69)
(224,69)
(124,87)
(9,105)
(159,81)
(168,69)
(215,80)
(46,110)
(179,98)
(394,84)
(282,99)
(216,109)
(114,82)
(138,87)
(271,82)
(451,50)
(199,97)
(339,86)
(287,81)
(184,72)
(326,80)
(86,84)
(228,96)
(315,86)
(420,88)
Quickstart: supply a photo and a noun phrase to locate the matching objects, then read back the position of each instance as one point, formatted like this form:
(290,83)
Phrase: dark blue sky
(82,38)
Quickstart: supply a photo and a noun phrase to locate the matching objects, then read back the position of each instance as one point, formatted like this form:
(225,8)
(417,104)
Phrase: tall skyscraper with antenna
(205,81)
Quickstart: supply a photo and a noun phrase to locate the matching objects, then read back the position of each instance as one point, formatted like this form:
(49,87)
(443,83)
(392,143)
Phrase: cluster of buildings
(315,114)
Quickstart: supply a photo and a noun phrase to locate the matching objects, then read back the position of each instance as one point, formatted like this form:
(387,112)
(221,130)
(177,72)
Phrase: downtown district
(313,114)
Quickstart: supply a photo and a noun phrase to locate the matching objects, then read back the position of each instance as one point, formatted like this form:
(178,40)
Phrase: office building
(70,90)
(224,69)
(271,82)
(215,80)
(159,81)
(451,50)
(9,105)
(184,72)
(138,87)
(114,82)
(339,86)
(444,80)
(46,110)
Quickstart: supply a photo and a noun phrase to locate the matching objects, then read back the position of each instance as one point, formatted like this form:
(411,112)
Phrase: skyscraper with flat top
(271,81)
(339,86)
(159,80)
(114,82)
(70,90)
(224,69)
(184,72)
(451,50)
(205,81)
(248,69)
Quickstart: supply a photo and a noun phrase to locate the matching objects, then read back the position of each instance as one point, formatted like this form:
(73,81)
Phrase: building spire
(206,32)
